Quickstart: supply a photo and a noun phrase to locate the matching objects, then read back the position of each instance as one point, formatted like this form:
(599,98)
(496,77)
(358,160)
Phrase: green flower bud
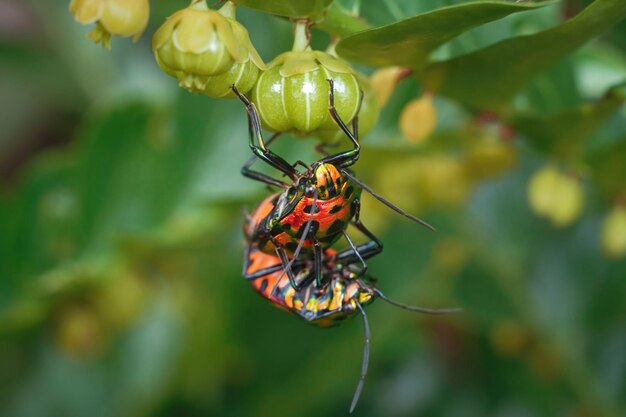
(112,17)
(207,50)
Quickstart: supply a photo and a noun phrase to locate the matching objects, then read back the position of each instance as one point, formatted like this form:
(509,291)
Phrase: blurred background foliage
(120,227)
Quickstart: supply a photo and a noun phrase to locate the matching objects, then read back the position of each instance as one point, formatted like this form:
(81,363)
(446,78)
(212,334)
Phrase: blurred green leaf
(563,135)
(491,77)
(608,167)
(289,8)
(409,42)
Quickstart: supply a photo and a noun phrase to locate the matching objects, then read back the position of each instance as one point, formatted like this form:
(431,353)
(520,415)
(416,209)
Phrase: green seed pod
(243,75)
(112,17)
(292,95)
(207,50)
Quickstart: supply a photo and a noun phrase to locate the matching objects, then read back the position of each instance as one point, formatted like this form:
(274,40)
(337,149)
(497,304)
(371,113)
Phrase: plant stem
(229,10)
(301,39)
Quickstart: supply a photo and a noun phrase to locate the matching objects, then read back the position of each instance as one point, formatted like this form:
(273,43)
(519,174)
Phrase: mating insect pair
(288,256)
(314,210)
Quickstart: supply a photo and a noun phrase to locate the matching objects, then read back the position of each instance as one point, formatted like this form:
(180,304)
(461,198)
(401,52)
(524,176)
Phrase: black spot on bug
(315,225)
(263,286)
(349,191)
(309,208)
(329,238)
(336,209)
(276,229)
(286,226)
(336,227)
(322,189)
(291,246)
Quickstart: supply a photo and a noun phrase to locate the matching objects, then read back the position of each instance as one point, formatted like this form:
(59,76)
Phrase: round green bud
(293,94)
(197,44)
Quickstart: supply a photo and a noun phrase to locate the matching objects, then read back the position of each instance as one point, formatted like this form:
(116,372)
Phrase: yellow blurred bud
(112,17)
(614,233)
(489,156)
(384,83)
(509,338)
(418,119)
(555,196)
(79,332)
(207,50)
(122,297)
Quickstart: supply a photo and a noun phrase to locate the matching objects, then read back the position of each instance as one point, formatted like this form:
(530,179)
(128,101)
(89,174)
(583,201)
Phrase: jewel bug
(344,292)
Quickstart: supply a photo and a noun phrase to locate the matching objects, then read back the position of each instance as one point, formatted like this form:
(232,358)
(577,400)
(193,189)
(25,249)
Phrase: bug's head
(328,180)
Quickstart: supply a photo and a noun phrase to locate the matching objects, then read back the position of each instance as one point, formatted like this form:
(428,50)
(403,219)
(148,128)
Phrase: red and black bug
(344,292)
(315,209)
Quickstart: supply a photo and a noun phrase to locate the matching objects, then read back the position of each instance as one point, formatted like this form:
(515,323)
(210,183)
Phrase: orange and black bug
(315,209)
(344,292)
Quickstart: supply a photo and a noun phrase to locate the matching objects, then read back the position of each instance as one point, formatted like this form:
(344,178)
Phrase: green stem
(301,39)
(229,10)
(198,5)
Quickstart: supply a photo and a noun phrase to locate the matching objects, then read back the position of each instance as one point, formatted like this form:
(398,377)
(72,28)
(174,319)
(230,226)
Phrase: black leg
(306,232)
(265,154)
(346,158)
(355,250)
(318,262)
(365,250)
(259,176)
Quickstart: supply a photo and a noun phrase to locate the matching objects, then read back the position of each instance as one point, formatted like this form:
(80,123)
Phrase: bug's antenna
(386,202)
(414,308)
(366,359)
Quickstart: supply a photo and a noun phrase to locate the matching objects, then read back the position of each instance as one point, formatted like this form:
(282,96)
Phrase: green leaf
(608,168)
(563,135)
(491,77)
(409,42)
(289,8)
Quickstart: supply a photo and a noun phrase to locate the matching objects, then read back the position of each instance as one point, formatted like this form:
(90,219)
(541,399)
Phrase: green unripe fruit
(292,95)
(243,76)
(207,50)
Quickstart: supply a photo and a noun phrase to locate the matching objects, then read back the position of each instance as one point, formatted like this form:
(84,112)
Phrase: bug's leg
(366,358)
(415,308)
(306,231)
(259,176)
(318,262)
(355,251)
(349,157)
(386,202)
(365,250)
(286,264)
(254,128)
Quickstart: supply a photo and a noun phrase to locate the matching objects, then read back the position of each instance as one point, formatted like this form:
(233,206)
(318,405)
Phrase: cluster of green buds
(112,17)
(207,50)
